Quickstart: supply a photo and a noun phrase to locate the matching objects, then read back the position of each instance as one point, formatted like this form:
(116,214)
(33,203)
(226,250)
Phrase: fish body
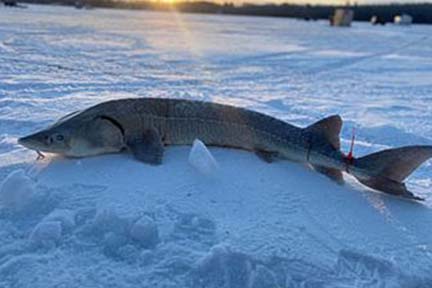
(145,126)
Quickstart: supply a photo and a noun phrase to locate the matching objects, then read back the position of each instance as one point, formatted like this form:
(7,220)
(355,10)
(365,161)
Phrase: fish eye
(59,137)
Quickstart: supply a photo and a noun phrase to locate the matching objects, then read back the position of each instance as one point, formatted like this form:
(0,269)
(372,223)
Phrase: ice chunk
(65,216)
(201,159)
(17,189)
(145,232)
(46,234)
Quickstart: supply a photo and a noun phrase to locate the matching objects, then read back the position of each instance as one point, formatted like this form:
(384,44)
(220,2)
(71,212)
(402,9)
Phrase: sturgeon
(144,126)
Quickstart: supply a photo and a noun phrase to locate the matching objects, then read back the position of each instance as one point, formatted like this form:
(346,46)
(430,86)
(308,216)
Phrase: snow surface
(111,221)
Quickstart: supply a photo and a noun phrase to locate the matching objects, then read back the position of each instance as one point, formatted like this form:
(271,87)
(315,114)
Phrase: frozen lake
(92,222)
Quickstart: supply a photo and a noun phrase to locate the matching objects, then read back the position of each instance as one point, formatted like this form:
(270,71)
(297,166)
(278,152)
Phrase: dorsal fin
(329,128)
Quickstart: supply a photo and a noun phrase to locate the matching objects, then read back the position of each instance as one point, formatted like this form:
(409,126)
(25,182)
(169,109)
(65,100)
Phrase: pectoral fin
(266,156)
(148,148)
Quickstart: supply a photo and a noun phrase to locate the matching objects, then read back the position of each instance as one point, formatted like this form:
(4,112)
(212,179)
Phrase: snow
(111,221)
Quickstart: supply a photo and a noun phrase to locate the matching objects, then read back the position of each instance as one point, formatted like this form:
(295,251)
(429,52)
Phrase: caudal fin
(389,168)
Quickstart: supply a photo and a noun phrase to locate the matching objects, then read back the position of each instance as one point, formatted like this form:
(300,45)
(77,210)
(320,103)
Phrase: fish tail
(388,169)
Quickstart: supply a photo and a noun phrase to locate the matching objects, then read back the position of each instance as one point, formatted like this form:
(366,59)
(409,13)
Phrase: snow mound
(201,159)
(65,216)
(361,270)
(119,237)
(225,267)
(222,267)
(262,277)
(107,220)
(113,243)
(46,234)
(16,189)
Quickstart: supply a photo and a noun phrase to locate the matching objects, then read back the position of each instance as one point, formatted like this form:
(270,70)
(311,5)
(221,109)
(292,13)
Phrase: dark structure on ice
(10,3)
(421,12)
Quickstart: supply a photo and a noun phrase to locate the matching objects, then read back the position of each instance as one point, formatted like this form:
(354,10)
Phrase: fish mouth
(31,144)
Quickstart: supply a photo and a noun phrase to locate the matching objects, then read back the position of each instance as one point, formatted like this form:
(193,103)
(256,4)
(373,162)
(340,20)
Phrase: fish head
(80,136)
(51,140)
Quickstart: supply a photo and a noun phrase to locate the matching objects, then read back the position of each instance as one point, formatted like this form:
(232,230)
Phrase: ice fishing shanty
(342,17)
(403,20)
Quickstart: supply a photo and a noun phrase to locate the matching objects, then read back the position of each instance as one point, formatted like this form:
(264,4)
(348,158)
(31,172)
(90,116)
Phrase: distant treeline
(422,13)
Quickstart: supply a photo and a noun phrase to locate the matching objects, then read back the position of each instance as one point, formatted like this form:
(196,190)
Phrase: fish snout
(35,141)
(23,140)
